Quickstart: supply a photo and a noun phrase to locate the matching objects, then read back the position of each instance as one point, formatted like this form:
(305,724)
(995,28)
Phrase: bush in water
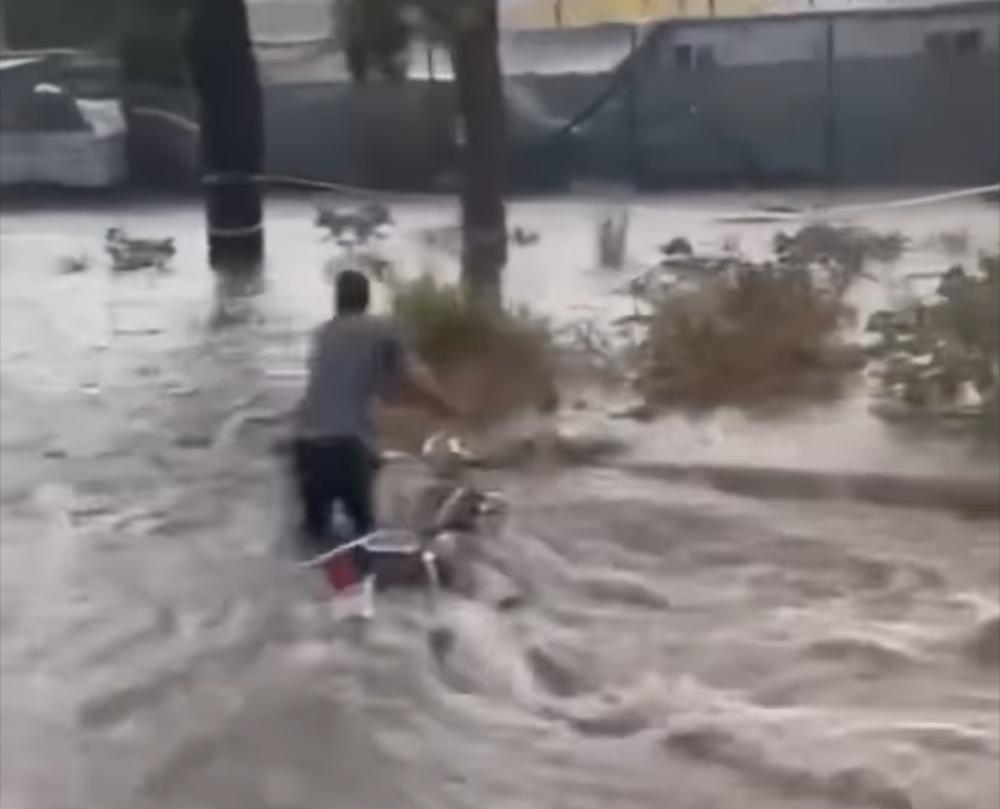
(496,363)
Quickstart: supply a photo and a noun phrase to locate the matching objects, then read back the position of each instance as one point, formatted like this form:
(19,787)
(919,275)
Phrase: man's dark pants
(332,470)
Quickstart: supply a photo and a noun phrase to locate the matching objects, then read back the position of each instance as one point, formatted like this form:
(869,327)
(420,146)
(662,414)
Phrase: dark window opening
(968,42)
(954,43)
(684,57)
(694,57)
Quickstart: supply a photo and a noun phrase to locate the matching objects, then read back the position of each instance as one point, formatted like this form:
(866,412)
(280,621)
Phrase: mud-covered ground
(677,646)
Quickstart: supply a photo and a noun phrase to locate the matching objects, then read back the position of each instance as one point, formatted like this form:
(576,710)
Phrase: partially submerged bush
(493,363)
(942,356)
(849,248)
(755,334)
(730,331)
(612,239)
(954,242)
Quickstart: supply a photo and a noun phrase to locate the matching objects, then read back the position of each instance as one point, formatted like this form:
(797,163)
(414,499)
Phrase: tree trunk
(232,144)
(476,62)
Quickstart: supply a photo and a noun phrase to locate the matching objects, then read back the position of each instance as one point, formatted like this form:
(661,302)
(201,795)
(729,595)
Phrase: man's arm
(408,377)
(422,385)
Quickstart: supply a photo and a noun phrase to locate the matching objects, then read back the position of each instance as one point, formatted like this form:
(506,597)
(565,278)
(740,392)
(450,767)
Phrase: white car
(48,137)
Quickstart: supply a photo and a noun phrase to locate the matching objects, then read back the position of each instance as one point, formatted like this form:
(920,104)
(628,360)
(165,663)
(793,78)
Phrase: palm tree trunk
(232,143)
(476,62)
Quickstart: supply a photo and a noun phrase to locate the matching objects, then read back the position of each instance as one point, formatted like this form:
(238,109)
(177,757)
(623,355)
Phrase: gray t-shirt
(353,360)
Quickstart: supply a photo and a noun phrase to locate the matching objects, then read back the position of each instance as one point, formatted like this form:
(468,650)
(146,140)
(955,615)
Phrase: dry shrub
(954,242)
(493,363)
(756,335)
(849,248)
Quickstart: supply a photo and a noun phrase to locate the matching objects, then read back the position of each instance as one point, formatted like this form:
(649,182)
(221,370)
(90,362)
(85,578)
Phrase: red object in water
(341,572)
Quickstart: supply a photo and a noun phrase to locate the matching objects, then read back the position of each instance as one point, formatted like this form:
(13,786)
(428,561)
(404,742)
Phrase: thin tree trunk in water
(232,141)
(476,62)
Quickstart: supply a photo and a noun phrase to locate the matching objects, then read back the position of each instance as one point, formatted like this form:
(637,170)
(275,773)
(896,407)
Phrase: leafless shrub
(612,238)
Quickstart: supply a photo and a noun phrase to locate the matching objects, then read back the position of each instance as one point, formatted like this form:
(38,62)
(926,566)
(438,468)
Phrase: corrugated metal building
(874,95)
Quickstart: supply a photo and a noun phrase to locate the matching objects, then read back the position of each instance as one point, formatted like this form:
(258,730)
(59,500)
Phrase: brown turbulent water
(675,647)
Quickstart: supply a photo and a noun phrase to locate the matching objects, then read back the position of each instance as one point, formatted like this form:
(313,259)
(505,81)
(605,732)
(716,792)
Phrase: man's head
(352,293)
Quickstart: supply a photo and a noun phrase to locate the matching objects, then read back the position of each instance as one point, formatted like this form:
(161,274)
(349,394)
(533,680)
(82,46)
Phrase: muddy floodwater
(674,646)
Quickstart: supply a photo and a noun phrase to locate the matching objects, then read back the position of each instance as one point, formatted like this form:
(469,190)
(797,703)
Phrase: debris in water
(522,237)
(129,254)
(779,208)
(954,242)
(180,389)
(678,246)
(848,248)
(641,412)
(731,243)
(441,640)
(632,320)
(69,265)
(137,331)
(353,226)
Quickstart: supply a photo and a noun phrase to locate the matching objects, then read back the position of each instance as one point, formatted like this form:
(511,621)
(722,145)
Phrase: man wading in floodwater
(354,359)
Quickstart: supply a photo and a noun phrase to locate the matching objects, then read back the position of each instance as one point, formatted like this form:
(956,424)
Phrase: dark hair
(352,292)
